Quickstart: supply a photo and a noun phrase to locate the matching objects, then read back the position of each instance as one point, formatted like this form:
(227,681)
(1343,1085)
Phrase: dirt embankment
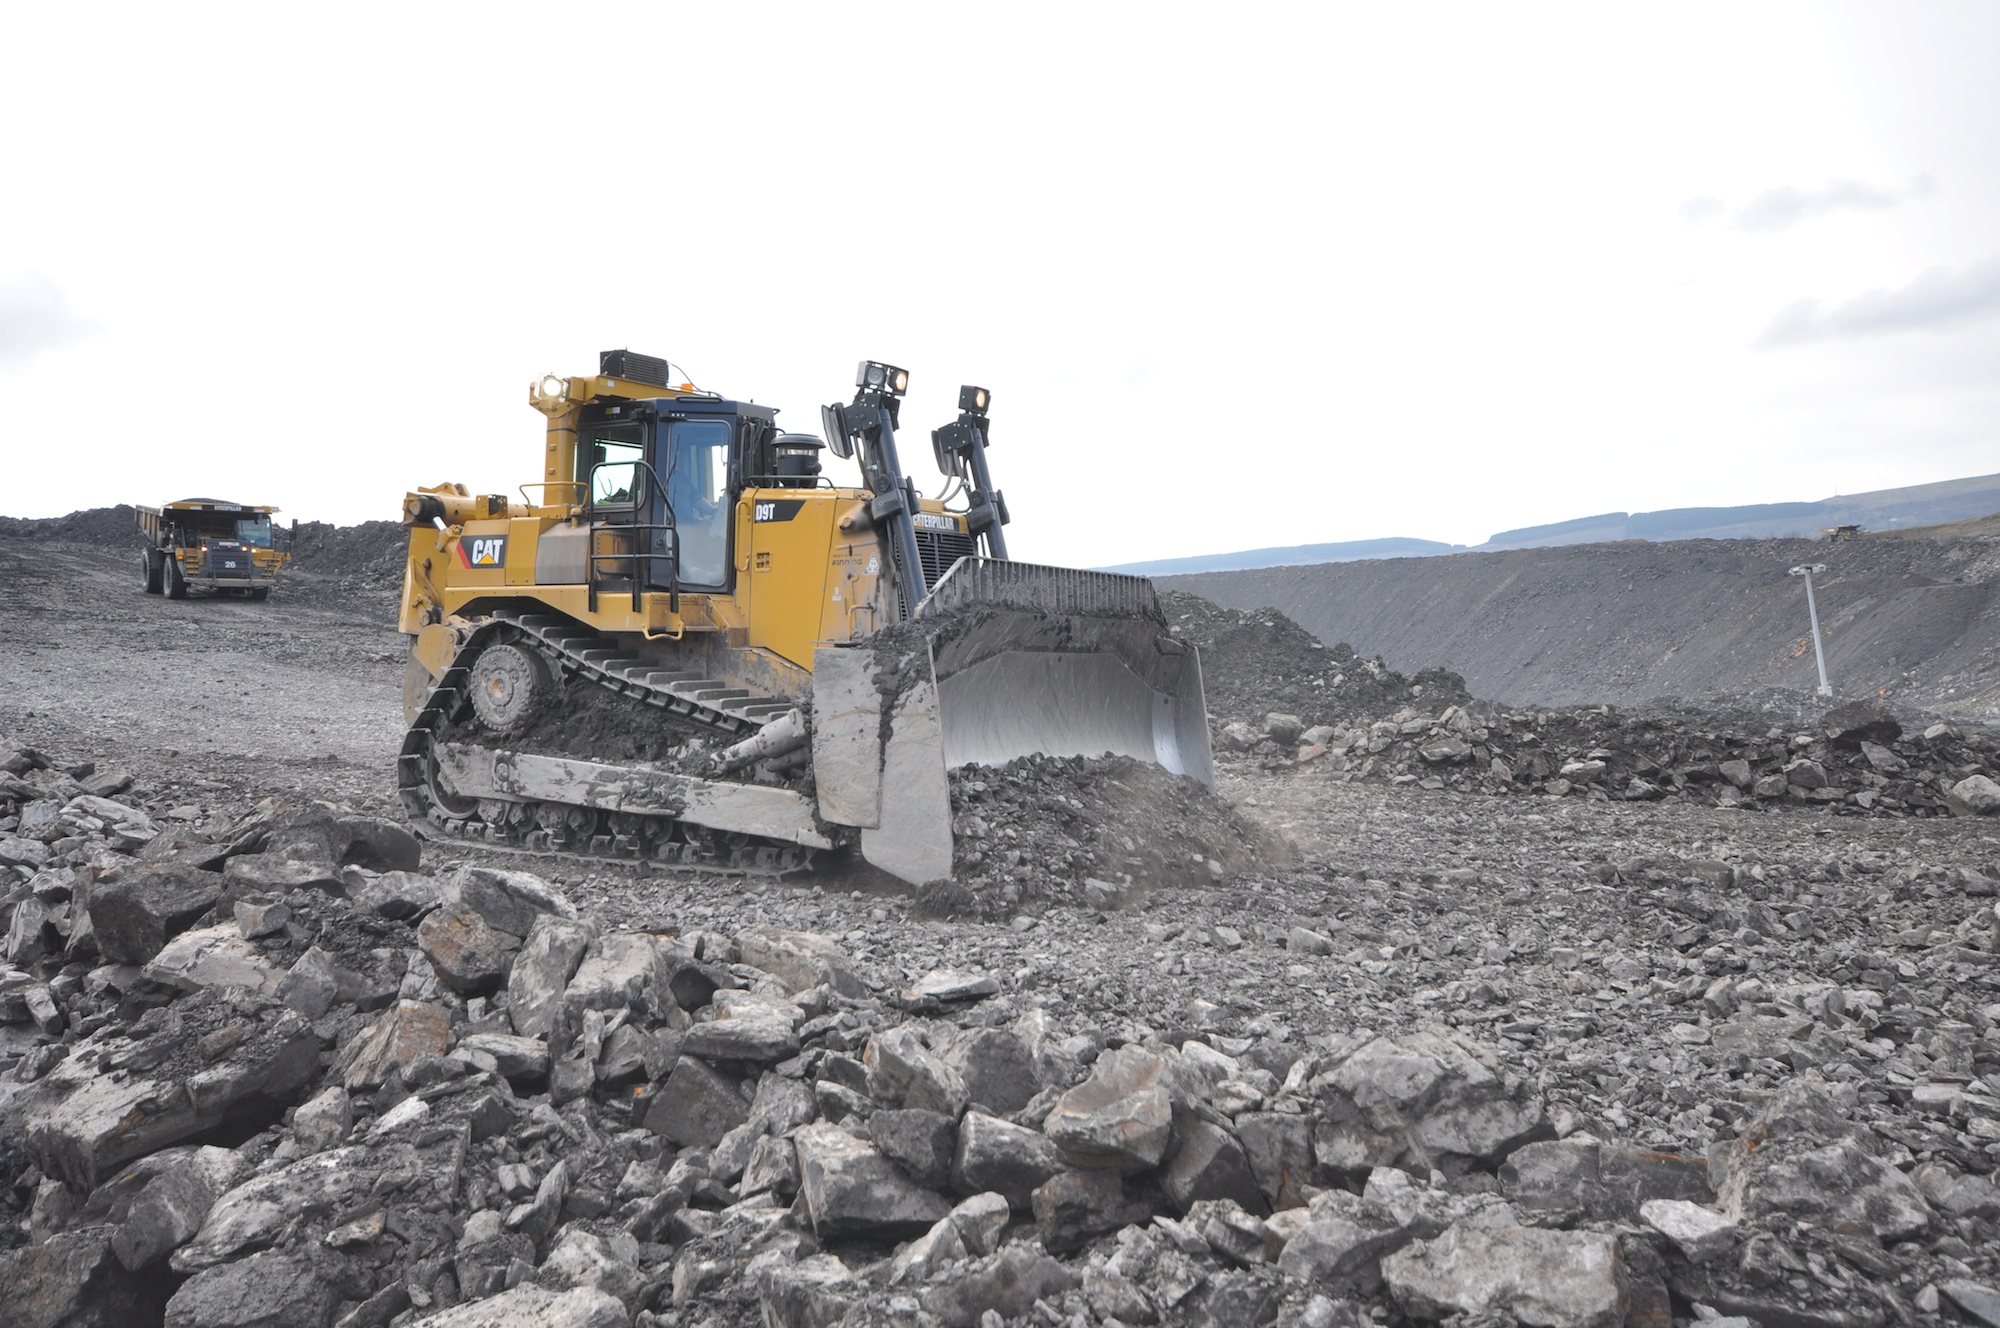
(1917,621)
(357,558)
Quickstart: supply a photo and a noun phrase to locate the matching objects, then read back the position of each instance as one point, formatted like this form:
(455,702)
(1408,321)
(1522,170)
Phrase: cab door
(694,518)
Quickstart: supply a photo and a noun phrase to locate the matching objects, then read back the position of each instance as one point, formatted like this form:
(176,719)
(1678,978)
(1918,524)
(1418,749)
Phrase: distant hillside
(1291,555)
(1914,620)
(1883,510)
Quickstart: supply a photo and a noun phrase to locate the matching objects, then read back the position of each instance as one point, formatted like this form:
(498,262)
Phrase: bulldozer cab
(669,472)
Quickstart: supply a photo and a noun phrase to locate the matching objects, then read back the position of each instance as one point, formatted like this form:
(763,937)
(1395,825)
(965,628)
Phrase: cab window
(255,531)
(698,491)
(610,459)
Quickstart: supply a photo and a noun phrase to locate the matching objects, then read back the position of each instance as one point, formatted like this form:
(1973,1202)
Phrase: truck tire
(150,572)
(177,586)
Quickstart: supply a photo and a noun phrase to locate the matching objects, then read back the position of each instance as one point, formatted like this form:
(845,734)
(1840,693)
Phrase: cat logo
(483,551)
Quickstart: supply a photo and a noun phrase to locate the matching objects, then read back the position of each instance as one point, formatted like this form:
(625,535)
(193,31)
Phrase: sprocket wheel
(510,686)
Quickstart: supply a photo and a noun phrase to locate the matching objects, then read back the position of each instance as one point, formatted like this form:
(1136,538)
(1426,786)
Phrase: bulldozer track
(572,831)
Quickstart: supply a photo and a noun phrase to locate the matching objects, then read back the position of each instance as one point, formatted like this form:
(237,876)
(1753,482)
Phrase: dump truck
(686,645)
(223,547)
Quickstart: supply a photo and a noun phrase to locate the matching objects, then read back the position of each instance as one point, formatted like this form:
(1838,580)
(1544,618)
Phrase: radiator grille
(228,562)
(938,550)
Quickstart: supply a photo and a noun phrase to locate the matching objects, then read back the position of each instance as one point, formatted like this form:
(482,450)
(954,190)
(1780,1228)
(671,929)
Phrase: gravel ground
(1650,972)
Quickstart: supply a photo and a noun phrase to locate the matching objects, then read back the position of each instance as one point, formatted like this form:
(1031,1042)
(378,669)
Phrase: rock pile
(1087,830)
(1259,660)
(282,1075)
(1854,759)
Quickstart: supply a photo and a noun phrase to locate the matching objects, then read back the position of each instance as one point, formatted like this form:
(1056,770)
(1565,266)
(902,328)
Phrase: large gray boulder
(1550,1279)
(214,957)
(509,901)
(1073,1207)
(531,1306)
(922,1143)
(1008,1283)
(995,1068)
(696,1106)
(1799,1158)
(471,955)
(271,1289)
(801,960)
(852,1190)
(1120,1118)
(1278,1148)
(253,1215)
(815,1292)
(1417,1101)
(82,1122)
(402,1033)
(747,1028)
(999,1156)
(135,916)
(622,970)
(1601,1182)
(903,1072)
(548,959)
(1975,795)
(73,1280)
(158,1203)
(1210,1165)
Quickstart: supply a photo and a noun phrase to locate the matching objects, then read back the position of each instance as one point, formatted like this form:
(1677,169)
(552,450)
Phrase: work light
(882,377)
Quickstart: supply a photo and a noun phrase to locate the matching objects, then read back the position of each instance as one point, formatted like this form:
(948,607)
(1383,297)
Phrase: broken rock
(1551,1279)
(408,1030)
(1073,1207)
(470,955)
(541,973)
(81,1122)
(696,1106)
(74,1280)
(902,1071)
(801,960)
(1799,1158)
(135,916)
(850,1189)
(999,1156)
(214,957)
(1120,1118)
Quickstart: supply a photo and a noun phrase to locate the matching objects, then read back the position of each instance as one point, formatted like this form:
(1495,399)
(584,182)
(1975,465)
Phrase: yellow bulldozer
(686,645)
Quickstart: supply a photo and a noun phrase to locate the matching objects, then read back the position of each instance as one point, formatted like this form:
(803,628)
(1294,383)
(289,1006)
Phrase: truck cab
(220,546)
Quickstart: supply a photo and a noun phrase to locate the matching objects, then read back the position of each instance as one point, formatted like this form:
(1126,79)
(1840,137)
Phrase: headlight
(552,388)
(973,399)
(873,375)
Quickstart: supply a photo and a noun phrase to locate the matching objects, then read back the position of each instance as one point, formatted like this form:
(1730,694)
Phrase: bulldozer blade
(887,779)
(1058,662)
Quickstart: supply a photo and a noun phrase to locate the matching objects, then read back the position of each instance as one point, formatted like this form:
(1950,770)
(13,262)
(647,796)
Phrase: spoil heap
(1279,700)
(276,1071)
(1853,760)
(1079,830)
(1258,660)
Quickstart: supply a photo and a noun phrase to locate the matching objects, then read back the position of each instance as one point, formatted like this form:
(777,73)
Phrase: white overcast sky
(1237,275)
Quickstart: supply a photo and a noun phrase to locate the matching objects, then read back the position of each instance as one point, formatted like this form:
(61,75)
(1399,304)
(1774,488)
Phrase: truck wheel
(150,572)
(177,586)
